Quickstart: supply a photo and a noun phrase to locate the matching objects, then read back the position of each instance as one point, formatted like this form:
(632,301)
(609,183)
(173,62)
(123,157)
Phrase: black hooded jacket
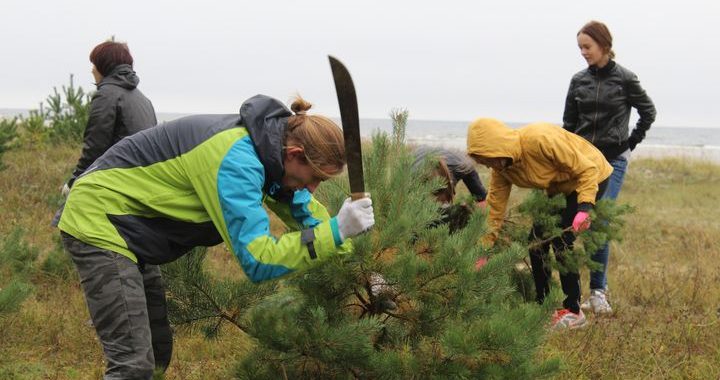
(118,109)
(598,105)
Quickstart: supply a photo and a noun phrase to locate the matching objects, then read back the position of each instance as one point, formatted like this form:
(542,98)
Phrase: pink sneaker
(566,319)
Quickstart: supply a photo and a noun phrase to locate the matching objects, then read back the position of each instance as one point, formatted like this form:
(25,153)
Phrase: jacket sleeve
(474,185)
(99,131)
(303,212)
(570,115)
(261,255)
(639,99)
(462,169)
(497,199)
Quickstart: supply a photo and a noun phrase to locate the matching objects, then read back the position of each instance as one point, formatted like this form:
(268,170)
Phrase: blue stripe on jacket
(240,180)
(299,209)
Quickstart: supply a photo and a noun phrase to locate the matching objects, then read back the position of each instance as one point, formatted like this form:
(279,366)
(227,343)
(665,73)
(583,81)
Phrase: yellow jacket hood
(491,138)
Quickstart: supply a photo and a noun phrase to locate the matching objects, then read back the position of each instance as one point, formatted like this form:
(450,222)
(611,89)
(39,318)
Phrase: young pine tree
(8,134)
(68,113)
(17,261)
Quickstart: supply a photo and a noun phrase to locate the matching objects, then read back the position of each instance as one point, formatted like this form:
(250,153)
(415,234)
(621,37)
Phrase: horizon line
(181,114)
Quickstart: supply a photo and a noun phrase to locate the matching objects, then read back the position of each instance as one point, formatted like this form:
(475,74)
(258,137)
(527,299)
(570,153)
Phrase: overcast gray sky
(443,60)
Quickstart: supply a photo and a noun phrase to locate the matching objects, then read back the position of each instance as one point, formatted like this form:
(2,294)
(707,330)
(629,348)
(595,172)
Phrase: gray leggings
(128,310)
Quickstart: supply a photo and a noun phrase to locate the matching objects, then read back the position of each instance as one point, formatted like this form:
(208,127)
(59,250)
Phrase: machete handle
(356,196)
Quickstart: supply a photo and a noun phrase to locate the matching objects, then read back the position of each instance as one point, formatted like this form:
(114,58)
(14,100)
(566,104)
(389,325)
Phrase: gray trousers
(128,310)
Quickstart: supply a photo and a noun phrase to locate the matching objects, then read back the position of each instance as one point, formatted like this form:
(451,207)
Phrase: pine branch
(398,316)
(284,372)
(198,318)
(436,277)
(359,296)
(354,304)
(219,310)
(538,243)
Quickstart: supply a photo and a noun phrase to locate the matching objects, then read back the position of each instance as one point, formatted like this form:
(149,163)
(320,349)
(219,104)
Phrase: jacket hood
(265,119)
(491,138)
(123,76)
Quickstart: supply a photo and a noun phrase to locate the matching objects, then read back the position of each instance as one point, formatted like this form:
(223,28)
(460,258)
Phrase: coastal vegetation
(663,276)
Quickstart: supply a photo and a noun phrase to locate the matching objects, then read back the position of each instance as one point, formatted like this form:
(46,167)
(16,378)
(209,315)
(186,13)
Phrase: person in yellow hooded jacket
(542,156)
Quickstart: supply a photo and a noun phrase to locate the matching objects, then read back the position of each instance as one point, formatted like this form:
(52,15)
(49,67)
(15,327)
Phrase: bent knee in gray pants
(128,310)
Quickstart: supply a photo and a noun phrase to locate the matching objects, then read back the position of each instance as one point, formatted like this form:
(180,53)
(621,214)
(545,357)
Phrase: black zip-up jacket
(117,109)
(598,106)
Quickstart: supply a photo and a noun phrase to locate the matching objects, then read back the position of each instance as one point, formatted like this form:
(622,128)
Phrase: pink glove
(581,221)
(480,263)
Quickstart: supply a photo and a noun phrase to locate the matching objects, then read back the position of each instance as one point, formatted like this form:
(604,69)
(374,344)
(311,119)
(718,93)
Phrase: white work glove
(65,190)
(355,217)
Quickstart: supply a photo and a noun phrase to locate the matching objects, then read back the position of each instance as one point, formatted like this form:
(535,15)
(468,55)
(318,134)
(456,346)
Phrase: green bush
(17,255)
(68,113)
(12,296)
(33,129)
(61,119)
(8,135)
(58,263)
(16,258)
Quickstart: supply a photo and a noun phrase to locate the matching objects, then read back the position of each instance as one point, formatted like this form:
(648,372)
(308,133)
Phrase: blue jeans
(598,279)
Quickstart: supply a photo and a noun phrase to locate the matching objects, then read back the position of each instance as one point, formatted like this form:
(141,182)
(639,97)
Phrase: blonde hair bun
(319,136)
(300,106)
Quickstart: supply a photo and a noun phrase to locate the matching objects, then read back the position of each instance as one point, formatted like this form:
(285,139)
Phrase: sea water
(700,143)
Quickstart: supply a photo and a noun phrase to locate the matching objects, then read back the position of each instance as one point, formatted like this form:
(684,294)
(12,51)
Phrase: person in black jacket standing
(597,107)
(117,109)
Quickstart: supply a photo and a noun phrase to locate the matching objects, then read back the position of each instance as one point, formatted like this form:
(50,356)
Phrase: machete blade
(351,126)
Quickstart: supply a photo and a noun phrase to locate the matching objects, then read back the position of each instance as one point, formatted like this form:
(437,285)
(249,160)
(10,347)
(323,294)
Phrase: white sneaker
(597,302)
(565,319)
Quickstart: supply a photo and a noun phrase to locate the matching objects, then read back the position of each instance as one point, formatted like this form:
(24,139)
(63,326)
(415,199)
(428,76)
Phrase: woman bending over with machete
(199,181)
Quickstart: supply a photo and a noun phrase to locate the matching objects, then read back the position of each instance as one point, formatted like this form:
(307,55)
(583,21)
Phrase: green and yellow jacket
(199,181)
